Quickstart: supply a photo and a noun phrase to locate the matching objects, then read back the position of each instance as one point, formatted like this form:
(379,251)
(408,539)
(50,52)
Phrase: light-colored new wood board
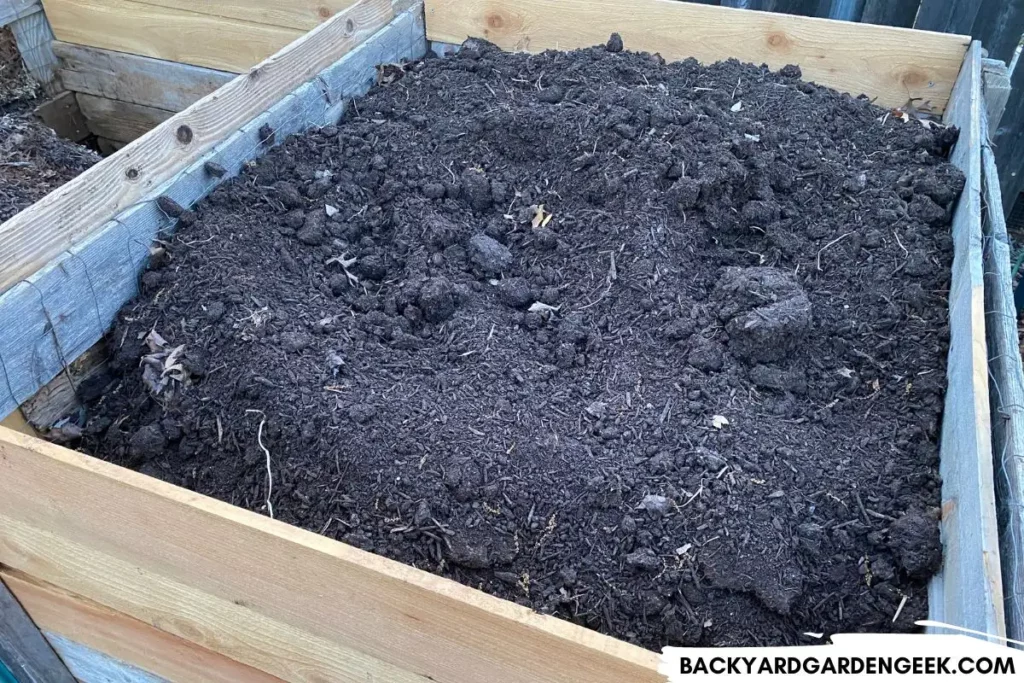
(124,638)
(133,78)
(33,237)
(887,63)
(167,33)
(298,14)
(969,592)
(286,601)
(120,121)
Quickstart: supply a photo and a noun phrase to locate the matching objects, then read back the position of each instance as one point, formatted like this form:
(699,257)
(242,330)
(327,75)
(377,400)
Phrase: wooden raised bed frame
(140,573)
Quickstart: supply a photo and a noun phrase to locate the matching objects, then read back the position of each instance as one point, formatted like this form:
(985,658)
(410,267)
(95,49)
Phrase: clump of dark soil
(656,348)
(33,159)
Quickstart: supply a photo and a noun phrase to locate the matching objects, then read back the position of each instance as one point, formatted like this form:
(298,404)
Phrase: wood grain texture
(124,638)
(310,606)
(1006,390)
(120,121)
(33,237)
(11,10)
(298,14)
(24,649)
(133,78)
(887,63)
(33,35)
(969,591)
(167,33)
(59,398)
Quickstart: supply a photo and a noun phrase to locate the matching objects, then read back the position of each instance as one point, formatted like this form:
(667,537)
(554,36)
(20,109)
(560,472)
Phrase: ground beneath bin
(33,159)
(656,348)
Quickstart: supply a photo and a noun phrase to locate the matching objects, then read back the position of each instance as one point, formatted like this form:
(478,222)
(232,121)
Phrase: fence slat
(948,16)
(890,12)
(1008,142)
(999,26)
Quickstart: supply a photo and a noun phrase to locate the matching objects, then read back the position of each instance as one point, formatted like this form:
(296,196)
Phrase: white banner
(853,657)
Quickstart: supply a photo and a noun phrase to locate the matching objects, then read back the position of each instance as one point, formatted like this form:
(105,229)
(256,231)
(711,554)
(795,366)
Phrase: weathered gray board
(134,79)
(1006,390)
(967,591)
(57,313)
(23,649)
(89,666)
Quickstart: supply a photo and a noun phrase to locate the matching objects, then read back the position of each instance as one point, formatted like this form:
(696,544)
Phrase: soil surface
(33,159)
(657,348)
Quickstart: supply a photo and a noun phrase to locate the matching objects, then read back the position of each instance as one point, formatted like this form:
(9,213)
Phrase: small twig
(899,609)
(270,476)
(832,243)
(905,252)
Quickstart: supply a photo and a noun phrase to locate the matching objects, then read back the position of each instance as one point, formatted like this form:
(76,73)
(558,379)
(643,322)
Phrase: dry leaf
(752,138)
(155,342)
(719,421)
(874,384)
(538,307)
(737,107)
(845,372)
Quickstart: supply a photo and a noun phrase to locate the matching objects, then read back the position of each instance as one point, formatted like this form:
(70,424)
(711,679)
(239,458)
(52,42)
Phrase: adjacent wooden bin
(155,581)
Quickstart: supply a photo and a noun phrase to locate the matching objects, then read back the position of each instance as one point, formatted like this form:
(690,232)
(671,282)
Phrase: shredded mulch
(33,159)
(656,348)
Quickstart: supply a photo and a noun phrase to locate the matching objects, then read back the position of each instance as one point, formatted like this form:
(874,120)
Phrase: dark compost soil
(34,160)
(694,398)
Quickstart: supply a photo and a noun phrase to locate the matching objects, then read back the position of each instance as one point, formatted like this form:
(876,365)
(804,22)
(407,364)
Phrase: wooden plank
(36,235)
(306,606)
(167,33)
(33,35)
(55,314)
(807,8)
(18,422)
(1008,139)
(11,10)
(63,115)
(303,15)
(999,25)
(59,398)
(120,121)
(127,640)
(133,78)
(90,666)
(24,649)
(995,78)
(968,592)
(898,65)
(953,16)
(890,12)
(1006,391)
